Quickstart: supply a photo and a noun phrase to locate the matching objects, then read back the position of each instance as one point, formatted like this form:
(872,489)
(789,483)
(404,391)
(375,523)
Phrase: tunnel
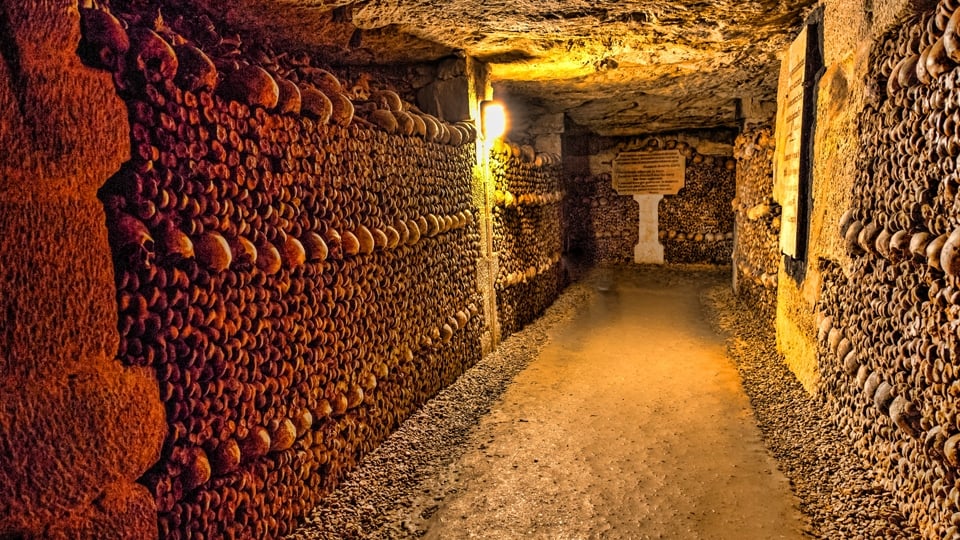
(366,269)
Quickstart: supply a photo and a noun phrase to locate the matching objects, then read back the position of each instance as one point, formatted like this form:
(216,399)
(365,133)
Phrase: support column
(648,250)
(479,88)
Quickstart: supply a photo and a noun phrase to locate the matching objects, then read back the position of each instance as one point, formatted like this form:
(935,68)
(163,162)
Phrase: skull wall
(527,233)
(295,258)
(756,255)
(696,224)
(887,343)
(602,224)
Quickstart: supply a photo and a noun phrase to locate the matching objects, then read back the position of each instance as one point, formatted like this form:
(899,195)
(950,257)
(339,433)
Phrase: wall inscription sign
(658,172)
(791,166)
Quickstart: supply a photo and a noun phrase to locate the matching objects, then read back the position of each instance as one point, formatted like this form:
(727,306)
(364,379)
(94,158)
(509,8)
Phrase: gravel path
(412,481)
(837,493)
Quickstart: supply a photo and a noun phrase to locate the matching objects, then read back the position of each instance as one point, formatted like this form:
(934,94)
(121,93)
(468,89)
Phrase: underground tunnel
(273,269)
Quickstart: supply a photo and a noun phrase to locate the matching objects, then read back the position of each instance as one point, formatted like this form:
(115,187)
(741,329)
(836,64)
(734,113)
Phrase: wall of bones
(756,255)
(696,224)
(271,264)
(887,341)
(693,226)
(869,326)
(602,223)
(528,230)
(296,258)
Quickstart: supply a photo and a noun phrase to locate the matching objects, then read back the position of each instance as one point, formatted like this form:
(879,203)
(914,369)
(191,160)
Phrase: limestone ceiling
(617,67)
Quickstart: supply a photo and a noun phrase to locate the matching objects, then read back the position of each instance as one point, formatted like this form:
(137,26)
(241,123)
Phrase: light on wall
(493,118)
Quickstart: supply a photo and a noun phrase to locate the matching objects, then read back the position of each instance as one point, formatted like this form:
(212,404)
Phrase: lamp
(493,119)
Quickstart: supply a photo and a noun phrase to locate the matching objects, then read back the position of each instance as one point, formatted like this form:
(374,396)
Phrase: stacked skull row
(603,225)
(300,283)
(757,217)
(700,208)
(527,233)
(190,52)
(888,340)
(681,236)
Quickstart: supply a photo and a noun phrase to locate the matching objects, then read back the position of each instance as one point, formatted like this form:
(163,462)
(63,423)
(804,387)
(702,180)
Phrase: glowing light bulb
(494,119)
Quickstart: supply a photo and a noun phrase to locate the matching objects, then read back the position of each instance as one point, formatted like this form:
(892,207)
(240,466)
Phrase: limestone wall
(77,426)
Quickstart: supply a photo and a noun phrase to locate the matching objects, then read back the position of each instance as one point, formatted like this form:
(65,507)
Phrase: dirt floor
(619,414)
(630,423)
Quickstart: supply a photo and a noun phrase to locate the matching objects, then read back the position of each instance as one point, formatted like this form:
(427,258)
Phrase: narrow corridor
(631,423)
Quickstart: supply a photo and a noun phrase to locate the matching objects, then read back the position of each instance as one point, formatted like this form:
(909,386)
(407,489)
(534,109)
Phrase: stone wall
(527,233)
(756,254)
(77,427)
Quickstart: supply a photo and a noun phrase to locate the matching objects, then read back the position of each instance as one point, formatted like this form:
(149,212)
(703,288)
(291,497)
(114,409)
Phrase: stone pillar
(648,250)
(451,96)
(479,88)
(77,428)
(547,132)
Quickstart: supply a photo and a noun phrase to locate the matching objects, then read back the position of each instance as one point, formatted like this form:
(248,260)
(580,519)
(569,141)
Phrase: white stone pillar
(648,250)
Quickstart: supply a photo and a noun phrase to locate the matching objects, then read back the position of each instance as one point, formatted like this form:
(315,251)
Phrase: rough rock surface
(76,428)
(621,68)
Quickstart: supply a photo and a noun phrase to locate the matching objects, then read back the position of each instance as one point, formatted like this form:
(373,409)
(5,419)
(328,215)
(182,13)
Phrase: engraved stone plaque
(789,136)
(658,172)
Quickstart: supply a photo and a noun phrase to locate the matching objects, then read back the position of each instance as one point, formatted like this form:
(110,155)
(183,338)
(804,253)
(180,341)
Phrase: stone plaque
(789,136)
(658,172)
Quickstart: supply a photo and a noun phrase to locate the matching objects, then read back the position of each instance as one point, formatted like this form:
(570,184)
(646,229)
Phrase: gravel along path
(616,415)
(838,494)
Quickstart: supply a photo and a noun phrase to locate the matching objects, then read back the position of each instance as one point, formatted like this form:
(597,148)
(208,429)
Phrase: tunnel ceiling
(616,67)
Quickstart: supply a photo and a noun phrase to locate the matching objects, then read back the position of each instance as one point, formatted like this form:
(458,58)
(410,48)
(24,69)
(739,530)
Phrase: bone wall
(887,310)
(294,256)
(602,224)
(696,224)
(527,233)
(756,254)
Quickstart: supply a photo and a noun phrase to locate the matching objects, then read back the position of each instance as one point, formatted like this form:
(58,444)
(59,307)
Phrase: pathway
(631,423)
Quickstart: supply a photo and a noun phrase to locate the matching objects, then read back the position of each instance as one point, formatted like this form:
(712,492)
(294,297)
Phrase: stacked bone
(602,224)
(696,224)
(527,233)
(300,283)
(888,341)
(757,253)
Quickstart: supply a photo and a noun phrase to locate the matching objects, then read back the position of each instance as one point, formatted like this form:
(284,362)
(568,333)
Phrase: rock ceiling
(616,67)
